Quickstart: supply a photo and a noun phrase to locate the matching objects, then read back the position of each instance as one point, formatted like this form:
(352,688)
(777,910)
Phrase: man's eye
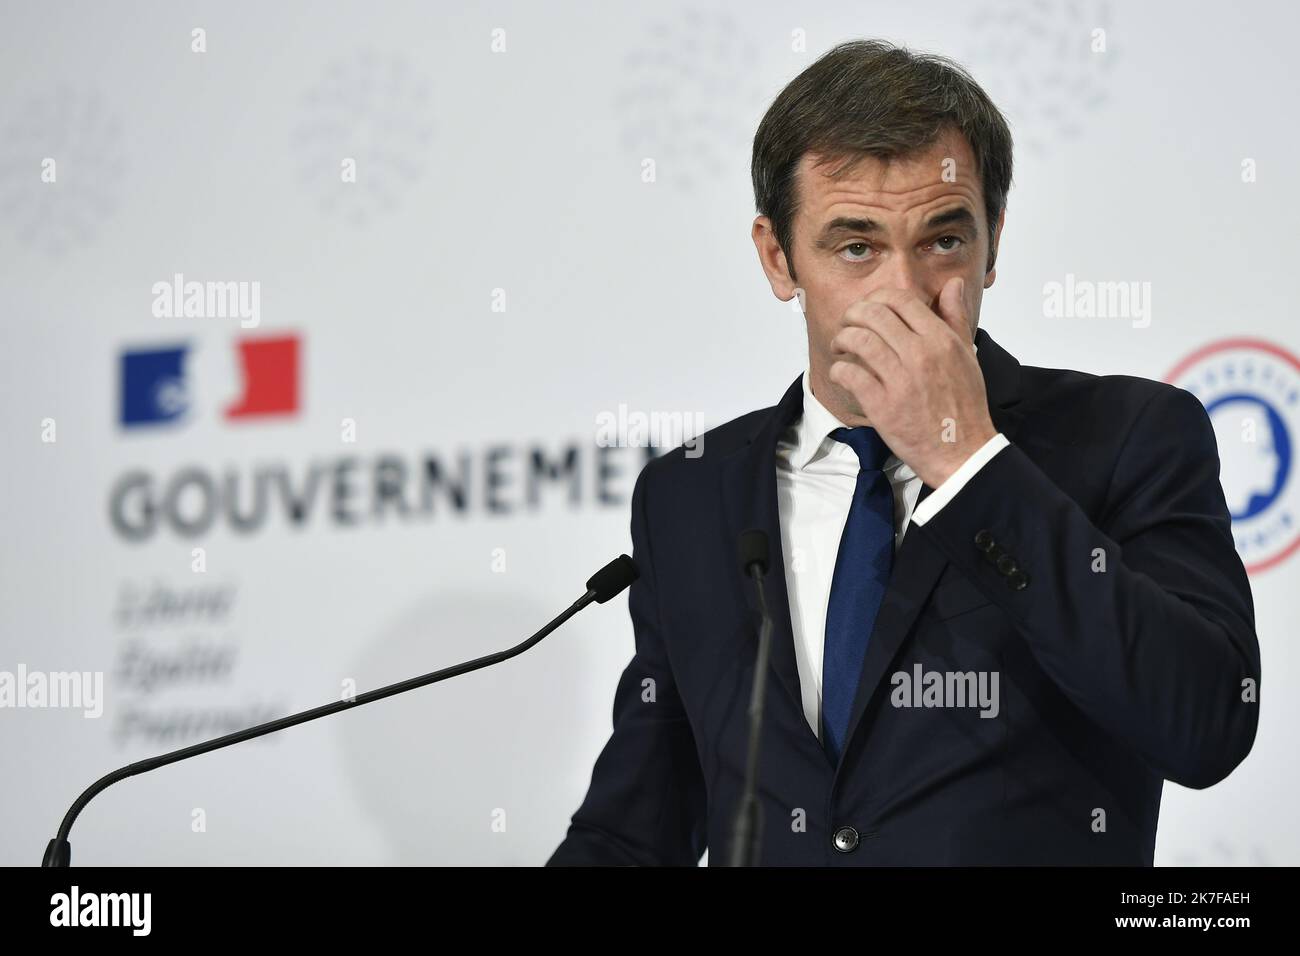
(948,244)
(858,251)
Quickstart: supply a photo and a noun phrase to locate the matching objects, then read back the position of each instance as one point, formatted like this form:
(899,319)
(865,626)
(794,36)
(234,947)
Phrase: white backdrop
(500,274)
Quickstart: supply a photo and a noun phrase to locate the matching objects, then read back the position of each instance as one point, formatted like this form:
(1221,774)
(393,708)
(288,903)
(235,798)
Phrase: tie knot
(867,443)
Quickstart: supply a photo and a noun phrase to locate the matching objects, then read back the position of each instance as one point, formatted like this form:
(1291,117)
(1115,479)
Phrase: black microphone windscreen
(610,580)
(753,550)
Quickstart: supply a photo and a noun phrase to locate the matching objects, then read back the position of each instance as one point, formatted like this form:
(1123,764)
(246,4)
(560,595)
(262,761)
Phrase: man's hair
(871,98)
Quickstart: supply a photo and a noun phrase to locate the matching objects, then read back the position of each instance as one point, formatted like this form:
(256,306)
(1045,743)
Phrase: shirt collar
(813,430)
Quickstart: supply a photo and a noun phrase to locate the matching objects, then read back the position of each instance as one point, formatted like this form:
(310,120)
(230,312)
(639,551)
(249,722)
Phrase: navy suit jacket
(1090,565)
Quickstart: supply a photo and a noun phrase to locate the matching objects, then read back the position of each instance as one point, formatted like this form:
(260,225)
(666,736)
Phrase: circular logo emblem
(1251,390)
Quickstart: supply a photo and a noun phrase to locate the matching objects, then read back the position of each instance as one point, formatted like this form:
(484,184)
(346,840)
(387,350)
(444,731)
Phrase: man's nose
(903,272)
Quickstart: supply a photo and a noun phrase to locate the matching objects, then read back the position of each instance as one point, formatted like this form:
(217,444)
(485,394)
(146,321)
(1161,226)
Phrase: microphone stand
(747,832)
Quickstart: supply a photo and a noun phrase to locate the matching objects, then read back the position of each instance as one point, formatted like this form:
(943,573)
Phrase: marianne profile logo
(1251,390)
(172,384)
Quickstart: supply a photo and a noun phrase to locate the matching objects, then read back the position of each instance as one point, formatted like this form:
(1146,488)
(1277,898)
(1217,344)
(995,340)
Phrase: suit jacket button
(984,539)
(1017,580)
(1007,565)
(845,839)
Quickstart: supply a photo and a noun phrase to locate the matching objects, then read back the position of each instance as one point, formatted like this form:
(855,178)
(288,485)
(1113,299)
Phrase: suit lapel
(749,501)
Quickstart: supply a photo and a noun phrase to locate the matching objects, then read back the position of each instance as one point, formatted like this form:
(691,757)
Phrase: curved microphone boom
(606,583)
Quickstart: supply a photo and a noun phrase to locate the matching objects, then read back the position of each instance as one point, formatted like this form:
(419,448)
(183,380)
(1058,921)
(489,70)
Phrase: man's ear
(991,273)
(773,260)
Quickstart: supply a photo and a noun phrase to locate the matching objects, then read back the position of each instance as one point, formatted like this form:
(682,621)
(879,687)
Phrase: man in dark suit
(1006,599)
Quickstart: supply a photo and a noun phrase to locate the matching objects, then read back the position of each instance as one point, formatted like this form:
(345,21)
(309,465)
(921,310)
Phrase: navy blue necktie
(866,557)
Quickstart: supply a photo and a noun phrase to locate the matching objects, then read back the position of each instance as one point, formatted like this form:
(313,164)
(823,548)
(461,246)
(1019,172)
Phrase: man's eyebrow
(961,216)
(842,225)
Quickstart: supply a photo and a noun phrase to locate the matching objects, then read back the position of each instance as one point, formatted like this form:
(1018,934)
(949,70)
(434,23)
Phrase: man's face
(913,223)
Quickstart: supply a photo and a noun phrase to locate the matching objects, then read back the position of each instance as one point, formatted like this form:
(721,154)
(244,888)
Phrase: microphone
(610,580)
(747,829)
(606,583)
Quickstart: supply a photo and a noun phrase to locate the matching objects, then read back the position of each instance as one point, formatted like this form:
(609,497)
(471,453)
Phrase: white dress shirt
(815,479)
